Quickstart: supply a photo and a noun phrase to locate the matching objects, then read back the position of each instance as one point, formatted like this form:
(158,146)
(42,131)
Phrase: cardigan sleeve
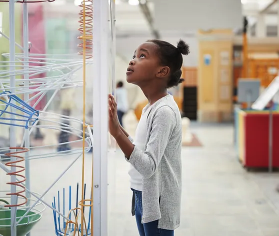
(162,125)
(131,139)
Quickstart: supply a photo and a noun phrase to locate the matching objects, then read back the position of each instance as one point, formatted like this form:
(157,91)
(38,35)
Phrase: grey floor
(220,198)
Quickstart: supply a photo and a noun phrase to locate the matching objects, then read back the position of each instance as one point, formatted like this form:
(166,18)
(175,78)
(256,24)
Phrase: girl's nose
(132,62)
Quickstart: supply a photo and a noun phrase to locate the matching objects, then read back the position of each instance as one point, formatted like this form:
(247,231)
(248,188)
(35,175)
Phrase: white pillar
(26,97)
(100,115)
(278,19)
(12,127)
(261,26)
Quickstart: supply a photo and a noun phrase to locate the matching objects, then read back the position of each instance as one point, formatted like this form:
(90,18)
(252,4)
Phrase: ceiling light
(59,2)
(79,2)
(134,2)
(249,1)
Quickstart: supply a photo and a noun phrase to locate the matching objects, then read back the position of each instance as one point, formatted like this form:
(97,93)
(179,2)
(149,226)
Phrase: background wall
(215,76)
(198,14)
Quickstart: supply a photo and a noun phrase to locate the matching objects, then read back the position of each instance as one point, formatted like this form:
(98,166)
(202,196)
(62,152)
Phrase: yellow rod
(83,135)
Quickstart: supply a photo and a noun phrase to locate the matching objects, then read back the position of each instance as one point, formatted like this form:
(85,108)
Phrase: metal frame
(12,128)
(100,112)
(100,115)
(26,96)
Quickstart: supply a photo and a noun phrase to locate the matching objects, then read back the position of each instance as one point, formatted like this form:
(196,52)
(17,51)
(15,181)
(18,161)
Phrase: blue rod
(59,210)
(31,111)
(19,108)
(3,123)
(21,102)
(64,207)
(54,214)
(12,113)
(77,199)
(84,196)
(33,122)
(70,204)
(2,111)
(89,214)
(2,118)
(70,199)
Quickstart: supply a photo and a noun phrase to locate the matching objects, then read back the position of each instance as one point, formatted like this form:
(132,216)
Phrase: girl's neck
(154,96)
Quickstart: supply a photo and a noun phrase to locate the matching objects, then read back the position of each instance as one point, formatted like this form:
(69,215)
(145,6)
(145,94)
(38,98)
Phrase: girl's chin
(130,80)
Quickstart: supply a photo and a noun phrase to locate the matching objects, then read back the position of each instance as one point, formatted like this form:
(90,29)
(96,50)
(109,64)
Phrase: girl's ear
(164,71)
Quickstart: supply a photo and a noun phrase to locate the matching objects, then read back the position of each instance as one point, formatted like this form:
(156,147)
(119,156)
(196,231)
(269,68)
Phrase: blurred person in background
(122,101)
(66,107)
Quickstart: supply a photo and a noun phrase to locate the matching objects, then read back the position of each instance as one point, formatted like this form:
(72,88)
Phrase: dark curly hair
(171,56)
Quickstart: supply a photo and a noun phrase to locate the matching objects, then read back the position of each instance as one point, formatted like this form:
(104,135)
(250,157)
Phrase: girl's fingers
(112,109)
(112,105)
(112,100)
(111,97)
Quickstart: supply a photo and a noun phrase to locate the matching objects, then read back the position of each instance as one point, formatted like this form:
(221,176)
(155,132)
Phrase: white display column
(261,26)
(100,115)
(26,98)
(278,19)
(12,127)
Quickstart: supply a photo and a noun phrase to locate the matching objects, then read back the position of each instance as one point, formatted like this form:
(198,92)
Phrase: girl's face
(145,64)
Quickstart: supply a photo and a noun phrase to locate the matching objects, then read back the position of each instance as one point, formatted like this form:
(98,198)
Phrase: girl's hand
(114,126)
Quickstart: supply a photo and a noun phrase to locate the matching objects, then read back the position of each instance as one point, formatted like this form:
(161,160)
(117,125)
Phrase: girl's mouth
(129,71)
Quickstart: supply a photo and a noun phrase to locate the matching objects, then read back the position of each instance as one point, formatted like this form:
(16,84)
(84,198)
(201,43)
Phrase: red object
(37,38)
(256,140)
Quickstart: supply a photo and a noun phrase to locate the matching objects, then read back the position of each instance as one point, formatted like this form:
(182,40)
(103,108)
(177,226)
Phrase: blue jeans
(151,228)
(120,115)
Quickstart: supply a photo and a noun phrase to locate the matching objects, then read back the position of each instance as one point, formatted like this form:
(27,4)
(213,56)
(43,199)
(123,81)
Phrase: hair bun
(183,48)
(181,81)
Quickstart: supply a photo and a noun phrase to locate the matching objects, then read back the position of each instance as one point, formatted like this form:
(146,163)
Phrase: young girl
(155,154)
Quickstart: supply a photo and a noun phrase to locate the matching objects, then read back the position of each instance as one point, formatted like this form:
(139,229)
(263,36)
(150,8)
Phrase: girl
(155,154)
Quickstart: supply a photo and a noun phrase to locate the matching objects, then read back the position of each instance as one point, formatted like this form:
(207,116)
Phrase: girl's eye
(142,56)
(134,57)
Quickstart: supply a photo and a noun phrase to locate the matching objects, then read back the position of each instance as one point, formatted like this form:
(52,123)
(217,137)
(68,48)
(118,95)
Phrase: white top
(139,141)
(121,99)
